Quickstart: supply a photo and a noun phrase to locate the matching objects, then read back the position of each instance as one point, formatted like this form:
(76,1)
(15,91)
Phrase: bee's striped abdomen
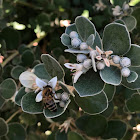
(51,105)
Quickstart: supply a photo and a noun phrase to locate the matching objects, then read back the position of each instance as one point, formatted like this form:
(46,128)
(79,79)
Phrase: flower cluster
(32,83)
(87,57)
(117,11)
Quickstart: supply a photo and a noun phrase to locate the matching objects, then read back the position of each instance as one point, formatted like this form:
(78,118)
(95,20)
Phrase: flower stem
(13,115)
(16,52)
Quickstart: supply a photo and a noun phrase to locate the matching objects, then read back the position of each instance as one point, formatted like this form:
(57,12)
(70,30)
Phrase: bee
(49,99)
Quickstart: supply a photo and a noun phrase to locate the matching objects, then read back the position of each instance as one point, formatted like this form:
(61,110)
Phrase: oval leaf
(134,54)
(66,41)
(29,105)
(53,67)
(3,127)
(116,38)
(132,77)
(7,93)
(133,104)
(111,75)
(92,104)
(115,129)
(16,132)
(110,91)
(89,84)
(19,96)
(74,136)
(85,27)
(92,125)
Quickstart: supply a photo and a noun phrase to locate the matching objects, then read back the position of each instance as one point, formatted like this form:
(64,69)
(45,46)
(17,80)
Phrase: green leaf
(66,41)
(111,75)
(90,40)
(133,104)
(116,38)
(60,135)
(52,66)
(70,28)
(2,101)
(92,125)
(120,21)
(135,85)
(108,112)
(16,71)
(97,42)
(29,105)
(16,132)
(119,2)
(95,104)
(60,110)
(87,85)
(7,93)
(19,96)
(27,58)
(132,77)
(28,119)
(3,127)
(110,91)
(130,22)
(134,54)
(74,136)
(115,129)
(84,27)
(22,48)
(11,37)
(41,72)
(128,93)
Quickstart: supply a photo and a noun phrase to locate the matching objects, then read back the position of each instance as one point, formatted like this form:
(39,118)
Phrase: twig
(13,115)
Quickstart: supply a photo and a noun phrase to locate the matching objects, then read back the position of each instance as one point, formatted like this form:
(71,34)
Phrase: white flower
(117,10)
(125,6)
(77,68)
(100,5)
(31,81)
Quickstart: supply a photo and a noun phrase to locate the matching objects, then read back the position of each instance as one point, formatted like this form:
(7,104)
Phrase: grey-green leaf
(110,91)
(115,129)
(2,101)
(66,41)
(16,71)
(7,93)
(133,104)
(89,84)
(132,77)
(134,54)
(130,22)
(3,127)
(135,85)
(19,96)
(92,104)
(74,136)
(53,67)
(90,40)
(116,38)
(85,27)
(92,125)
(41,72)
(16,132)
(29,105)
(111,75)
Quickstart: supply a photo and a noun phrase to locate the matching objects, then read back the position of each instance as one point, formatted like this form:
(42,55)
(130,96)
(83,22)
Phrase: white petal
(77,75)
(39,97)
(53,82)
(93,63)
(27,79)
(40,83)
(77,51)
(70,66)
